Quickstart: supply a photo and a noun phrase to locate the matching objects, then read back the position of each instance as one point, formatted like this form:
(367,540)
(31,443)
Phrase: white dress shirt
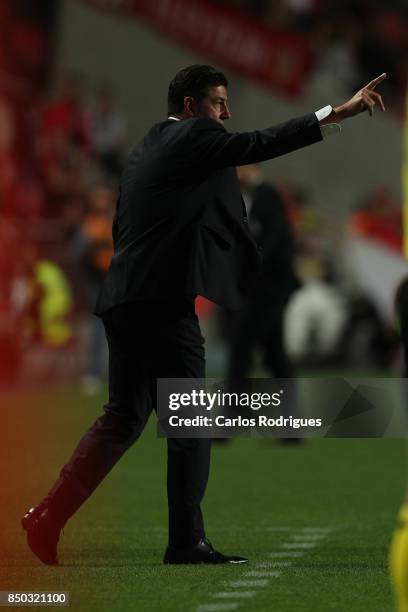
(329,128)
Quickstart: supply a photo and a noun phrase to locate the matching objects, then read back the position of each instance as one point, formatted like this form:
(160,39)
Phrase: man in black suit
(180,230)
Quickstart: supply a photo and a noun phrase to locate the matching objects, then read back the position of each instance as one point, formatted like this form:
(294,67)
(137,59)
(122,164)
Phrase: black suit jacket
(272,231)
(180,228)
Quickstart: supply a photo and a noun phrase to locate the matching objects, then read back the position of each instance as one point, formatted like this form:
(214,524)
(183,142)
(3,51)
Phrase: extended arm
(213,146)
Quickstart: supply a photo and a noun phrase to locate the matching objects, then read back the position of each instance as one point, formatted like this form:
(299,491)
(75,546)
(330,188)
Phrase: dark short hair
(193,81)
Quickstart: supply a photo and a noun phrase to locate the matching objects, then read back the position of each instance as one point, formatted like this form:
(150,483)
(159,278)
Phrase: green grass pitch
(261,497)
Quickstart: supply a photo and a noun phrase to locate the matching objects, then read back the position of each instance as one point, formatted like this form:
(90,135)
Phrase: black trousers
(260,324)
(147,340)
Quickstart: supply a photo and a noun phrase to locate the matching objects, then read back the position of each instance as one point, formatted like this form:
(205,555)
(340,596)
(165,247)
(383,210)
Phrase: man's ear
(189,106)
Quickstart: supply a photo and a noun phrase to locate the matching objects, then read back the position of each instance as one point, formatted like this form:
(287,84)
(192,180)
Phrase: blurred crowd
(379,216)
(55,230)
(328,285)
(353,40)
(55,224)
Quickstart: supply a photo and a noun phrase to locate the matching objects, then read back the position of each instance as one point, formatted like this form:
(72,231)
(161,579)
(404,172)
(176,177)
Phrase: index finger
(373,84)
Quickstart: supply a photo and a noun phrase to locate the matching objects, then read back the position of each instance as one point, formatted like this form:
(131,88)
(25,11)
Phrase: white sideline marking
(248,583)
(235,594)
(312,537)
(256,574)
(267,564)
(304,539)
(217,607)
(287,553)
(273,528)
(318,529)
(291,545)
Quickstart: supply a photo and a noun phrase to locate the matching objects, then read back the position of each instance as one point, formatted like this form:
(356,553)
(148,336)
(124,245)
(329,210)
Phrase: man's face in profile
(214,105)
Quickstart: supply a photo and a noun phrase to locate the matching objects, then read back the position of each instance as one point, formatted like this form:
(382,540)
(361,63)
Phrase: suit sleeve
(211,144)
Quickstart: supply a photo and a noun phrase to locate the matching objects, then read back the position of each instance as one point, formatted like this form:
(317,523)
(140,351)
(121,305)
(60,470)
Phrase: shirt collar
(174,118)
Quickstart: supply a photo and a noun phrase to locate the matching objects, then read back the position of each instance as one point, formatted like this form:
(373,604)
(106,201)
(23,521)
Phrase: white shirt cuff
(329,128)
(322,113)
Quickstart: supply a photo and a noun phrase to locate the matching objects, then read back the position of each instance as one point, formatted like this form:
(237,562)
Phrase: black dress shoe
(42,533)
(203,552)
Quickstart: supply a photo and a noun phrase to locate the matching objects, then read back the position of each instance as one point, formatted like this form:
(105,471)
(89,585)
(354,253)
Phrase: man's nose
(226,113)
